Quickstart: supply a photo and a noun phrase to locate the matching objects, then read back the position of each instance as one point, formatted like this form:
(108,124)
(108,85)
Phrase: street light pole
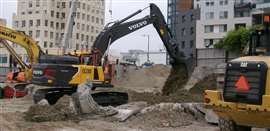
(148,45)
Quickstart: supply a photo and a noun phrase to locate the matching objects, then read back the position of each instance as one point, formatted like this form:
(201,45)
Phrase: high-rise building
(46,20)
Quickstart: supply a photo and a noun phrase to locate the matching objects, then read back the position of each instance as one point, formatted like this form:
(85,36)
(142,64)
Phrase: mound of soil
(58,112)
(150,79)
(163,115)
(178,96)
(176,80)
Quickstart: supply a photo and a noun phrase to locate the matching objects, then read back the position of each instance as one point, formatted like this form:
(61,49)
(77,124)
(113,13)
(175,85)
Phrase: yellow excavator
(31,46)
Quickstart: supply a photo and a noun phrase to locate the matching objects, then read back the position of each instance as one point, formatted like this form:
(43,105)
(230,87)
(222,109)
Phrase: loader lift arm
(118,29)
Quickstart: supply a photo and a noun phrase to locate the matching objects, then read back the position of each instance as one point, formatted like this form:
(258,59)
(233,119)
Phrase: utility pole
(148,45)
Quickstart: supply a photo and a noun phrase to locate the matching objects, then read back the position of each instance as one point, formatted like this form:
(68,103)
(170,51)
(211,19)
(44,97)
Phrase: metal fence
(212,57)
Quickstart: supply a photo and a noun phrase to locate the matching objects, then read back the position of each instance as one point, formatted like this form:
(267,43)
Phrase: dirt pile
(60,111)
(144,79)
(176,80)
(178,96)
(163,115)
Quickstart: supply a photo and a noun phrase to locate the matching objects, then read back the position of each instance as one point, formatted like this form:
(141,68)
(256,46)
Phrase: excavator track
(102,98)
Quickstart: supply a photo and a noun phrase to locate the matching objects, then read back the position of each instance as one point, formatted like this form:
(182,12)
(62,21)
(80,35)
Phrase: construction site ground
(142,85)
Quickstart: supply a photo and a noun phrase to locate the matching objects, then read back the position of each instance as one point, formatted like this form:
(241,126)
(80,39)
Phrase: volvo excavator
(59,79)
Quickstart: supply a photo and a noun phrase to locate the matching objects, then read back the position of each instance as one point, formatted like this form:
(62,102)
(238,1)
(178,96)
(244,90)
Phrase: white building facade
(4,55)
(217,18)
(45,21)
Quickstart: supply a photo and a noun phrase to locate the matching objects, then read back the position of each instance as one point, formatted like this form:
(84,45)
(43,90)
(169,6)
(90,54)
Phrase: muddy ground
(142,85)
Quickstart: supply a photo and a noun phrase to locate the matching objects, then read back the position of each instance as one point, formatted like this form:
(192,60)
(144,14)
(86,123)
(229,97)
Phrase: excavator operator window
(87,60)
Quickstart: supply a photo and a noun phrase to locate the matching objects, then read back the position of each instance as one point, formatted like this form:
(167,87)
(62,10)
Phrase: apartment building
(217,17)
(46,20)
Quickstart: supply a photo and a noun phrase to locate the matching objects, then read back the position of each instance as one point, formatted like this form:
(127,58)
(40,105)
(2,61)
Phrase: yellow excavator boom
(31,46)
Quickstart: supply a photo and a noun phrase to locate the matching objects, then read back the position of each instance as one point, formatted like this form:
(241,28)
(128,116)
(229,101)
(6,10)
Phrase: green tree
(235,40)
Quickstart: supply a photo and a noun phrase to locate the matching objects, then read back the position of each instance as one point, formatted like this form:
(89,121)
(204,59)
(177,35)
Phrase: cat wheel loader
(244,101)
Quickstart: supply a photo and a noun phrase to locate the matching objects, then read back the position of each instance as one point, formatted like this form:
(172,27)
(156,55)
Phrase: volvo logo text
(136,26)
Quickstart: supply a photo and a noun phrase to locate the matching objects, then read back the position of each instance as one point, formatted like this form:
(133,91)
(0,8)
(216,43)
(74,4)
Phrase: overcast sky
(121,9)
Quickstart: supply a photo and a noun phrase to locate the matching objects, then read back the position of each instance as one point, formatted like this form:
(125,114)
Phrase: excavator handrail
(31,46)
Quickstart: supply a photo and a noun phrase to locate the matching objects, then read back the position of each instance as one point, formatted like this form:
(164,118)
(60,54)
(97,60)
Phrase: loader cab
(259,43)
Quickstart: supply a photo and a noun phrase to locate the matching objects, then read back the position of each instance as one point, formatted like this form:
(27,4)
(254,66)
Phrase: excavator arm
(14,54)
(116,30)
(19,38)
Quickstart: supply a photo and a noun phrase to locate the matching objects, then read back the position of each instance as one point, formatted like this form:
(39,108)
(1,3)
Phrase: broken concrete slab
(211,117)
(128,110)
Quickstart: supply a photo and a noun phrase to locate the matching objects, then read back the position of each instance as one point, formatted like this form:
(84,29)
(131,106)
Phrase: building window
(46,23)
(52,24)
(208,43)
(209,15)
(97,20)
(51,35)
(92,38)
(3,59)
(83,16)
(45,33)
(93,19)
(45,44)
(183,32)
(77,36)
(241,25)
(88,28)
(62,25)
(78,26)
(57,15)
(78,15)
(191,30)
(37,33)
(83,5)
(52,13)
(92,29)
(192,17)
(191,44)
(83,27)
(23,23)
(208,28)
(30,33)
(63,5)
(82,37)
(38,3)
(102,21)
(223,14)
(51,45)
(30,4)
(38,22)
(63,16)
(183,18)
(183,44)
(77,46)
(30,23)
(57,25)
(222,28)
(88,17)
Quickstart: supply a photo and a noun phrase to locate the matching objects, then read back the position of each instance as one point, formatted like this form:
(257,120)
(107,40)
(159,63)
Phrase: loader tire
(229,125)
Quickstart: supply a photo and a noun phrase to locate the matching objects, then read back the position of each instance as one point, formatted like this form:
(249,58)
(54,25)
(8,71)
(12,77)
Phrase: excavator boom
(30,45)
